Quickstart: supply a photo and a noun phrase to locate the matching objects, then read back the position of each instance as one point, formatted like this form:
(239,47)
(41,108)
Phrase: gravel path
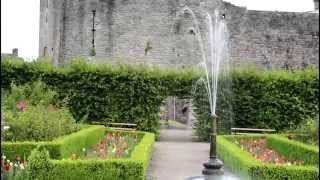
(176,156)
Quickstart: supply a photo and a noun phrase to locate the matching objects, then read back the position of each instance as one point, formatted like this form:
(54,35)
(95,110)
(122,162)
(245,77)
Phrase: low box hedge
(59,148)
(243,163)
(132,168)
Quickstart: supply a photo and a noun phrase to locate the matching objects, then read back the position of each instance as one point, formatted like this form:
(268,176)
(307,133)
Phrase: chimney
(15,52)
(316,5)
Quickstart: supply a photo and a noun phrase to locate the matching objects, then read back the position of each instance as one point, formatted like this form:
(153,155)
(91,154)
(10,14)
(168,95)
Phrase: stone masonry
(151,32)
(154,32)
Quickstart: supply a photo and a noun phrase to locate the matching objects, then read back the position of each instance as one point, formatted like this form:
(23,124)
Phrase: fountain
(210,63)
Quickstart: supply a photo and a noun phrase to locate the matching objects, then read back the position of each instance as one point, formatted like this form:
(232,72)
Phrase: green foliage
(38,164)
(275,99)
(37,123)
(96,169)
(143,151)
(74,143)
(59,148)
(133,168)
(248,167)
(34,93)
(107,93)
(307,131)
(28,112)
(294,150)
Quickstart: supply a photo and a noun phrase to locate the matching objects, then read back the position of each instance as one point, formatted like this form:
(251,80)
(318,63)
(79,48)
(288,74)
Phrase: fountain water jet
(216,51)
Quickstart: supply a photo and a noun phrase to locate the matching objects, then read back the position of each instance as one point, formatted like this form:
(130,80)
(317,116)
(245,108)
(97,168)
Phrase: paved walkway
(176,156)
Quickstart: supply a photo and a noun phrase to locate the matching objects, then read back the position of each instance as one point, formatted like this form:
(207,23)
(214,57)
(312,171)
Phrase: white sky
(20,21)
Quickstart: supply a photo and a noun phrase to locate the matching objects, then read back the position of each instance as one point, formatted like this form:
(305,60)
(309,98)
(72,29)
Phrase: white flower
(84,149)
(15,165)
(6,127)
(4,157)
(11,164)
(21,166)
(8,161)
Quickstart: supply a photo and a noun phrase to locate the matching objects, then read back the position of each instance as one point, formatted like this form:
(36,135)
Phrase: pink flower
(21,105)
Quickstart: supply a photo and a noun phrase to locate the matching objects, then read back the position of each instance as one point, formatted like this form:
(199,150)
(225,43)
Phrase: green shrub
(61,147)
(243,163)
(38,164)
(307,131)
(34,93)
(133,168)
(28,112)
(37,123)
(294,150)
(274,99)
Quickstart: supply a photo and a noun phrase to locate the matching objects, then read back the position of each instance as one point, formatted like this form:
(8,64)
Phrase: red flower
(21,105)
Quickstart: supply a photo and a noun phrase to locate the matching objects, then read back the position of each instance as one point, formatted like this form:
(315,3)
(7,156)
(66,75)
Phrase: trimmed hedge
(133,168)
(111,93)
(294,149)
(62,147)
(248,167)
(275,99)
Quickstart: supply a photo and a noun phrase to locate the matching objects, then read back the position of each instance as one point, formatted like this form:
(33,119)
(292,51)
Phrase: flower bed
(62,147)
(132,167)
(113,145)
(268,157)
(258,148)
(130,162)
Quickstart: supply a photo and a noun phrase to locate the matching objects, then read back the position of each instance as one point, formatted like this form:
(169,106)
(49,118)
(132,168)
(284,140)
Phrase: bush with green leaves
(276,99)
(39,164)
(29,114)
(307,131)
(38,123)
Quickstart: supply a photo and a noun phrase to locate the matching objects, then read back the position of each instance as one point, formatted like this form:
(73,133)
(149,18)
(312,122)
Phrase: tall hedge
(113,93)
(276,99)
(249,97)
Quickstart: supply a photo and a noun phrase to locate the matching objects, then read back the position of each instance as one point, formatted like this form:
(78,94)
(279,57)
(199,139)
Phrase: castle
(150,32)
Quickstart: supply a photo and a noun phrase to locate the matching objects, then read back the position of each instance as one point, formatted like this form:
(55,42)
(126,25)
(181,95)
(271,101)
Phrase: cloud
(20,27)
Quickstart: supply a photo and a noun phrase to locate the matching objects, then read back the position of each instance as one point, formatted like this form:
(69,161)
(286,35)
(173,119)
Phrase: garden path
(177,156)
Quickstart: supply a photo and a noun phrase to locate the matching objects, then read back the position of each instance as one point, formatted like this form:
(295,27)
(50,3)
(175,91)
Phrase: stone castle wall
(273,39)
(152,32)
(156,32)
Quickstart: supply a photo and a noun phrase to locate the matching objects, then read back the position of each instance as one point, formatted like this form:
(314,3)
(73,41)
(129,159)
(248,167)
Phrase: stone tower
(152,32)
(316,5)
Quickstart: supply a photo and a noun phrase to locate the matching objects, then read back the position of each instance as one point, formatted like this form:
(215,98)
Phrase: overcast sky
(20,21)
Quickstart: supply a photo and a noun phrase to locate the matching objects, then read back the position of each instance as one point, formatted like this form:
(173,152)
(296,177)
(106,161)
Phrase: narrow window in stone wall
(45,51)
